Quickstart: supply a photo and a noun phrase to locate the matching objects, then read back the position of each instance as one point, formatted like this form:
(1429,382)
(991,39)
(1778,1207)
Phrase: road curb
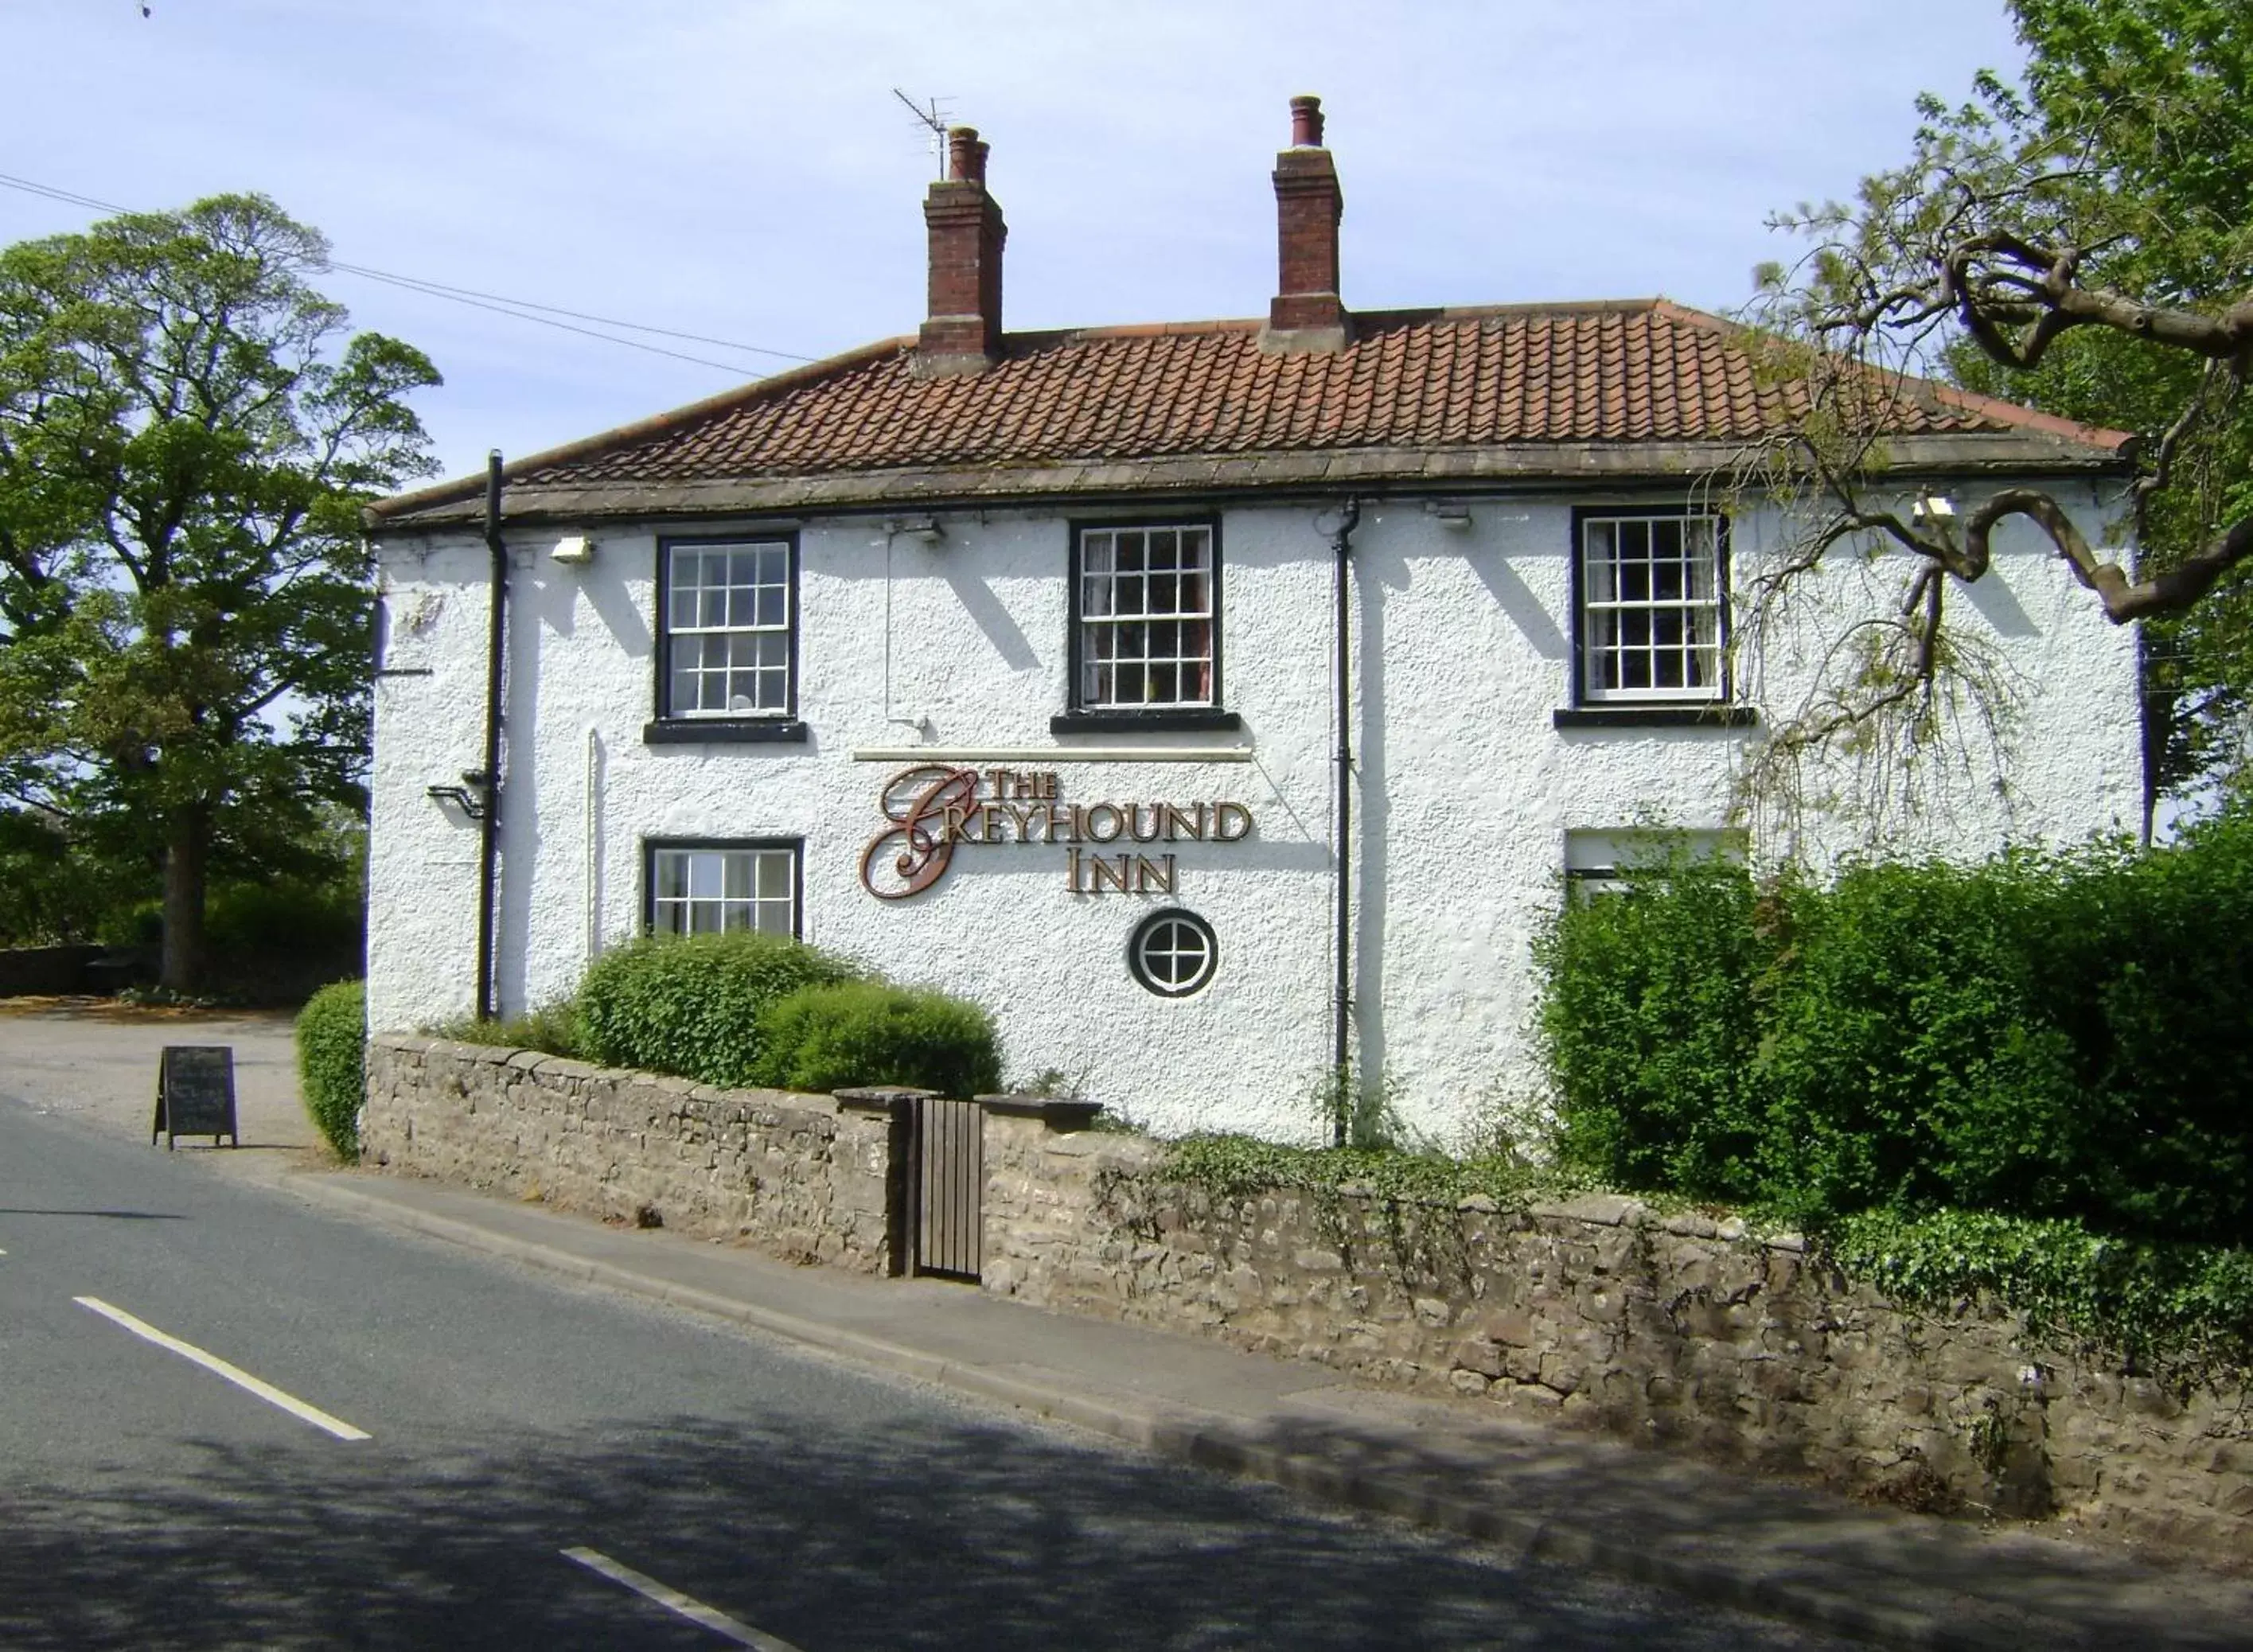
(1215,1441)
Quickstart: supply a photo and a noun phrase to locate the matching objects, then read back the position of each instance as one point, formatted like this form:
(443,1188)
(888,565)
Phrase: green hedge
(1649,1022)
(692,1005)
(331,1051)
(2059,1036)
(825,1038)
(551,1028)
(2186,1310)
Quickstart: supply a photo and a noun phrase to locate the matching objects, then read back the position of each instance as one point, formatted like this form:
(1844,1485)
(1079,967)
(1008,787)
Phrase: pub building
(1214,702)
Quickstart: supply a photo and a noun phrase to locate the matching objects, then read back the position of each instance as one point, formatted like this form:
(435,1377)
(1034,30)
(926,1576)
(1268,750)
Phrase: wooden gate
(949,1184)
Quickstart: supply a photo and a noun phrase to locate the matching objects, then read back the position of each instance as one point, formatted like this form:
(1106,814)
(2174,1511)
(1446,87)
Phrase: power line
(440,290)
(521,308)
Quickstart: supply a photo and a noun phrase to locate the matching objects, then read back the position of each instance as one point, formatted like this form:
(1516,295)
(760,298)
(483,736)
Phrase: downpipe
(489,833)
(1341,995)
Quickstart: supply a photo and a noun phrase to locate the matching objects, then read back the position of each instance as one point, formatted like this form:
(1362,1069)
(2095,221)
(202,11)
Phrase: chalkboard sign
(195,1094)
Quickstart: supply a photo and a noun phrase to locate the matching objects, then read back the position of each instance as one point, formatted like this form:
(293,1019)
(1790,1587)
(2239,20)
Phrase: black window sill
(1135,722)
(724,731)
(1655,716)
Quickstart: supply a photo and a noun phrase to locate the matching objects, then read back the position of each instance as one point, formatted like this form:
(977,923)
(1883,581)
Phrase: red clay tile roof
(1635,372)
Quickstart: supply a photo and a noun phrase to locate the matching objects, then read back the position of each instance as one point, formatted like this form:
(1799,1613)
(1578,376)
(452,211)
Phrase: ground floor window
(1601,862)
(1173,953)
(703,888)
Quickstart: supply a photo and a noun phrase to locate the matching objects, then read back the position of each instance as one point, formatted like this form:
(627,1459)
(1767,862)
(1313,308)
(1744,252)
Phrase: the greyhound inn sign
(934,810)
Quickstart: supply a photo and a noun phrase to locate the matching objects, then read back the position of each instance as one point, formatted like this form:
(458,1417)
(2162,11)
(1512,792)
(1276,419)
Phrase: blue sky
(740,169)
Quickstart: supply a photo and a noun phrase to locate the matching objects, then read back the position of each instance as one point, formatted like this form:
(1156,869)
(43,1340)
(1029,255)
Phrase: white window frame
(709,863)
(726,613)
(1602,612)
(1112,607)
(1598,860)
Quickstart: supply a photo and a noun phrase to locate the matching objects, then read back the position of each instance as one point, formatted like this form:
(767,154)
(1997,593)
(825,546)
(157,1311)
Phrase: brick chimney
(964,331)
(1306,314)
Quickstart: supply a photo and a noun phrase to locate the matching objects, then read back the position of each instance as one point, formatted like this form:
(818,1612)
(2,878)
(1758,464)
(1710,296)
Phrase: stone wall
(26,970)
(1677,1330)
(797,1174)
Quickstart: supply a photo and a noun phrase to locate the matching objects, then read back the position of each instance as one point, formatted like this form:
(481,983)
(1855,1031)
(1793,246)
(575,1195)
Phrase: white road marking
(673,1601)
(218,1367)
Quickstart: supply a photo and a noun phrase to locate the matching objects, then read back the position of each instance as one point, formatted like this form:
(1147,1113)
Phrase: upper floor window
(1648,589)
(1145,618)
(728,618)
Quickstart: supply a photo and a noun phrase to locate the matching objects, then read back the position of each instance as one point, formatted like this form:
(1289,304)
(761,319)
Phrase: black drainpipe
(1341,1003)
(496,639)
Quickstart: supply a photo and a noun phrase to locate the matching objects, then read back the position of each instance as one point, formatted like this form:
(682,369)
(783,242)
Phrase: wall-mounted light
(575,551)
(924,528)
(473,797)
(1453,516)
(1933,507)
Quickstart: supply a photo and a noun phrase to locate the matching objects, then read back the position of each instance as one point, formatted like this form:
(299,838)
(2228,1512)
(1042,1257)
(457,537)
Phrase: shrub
(552,1029)
(331,1046)
(1906,1057)
(52,891)
(833,1036)
(2045,1036)
(692,1005)
(1648,1024)
(2152,969)
(288,918)
(2185,1308)
(2061,1036)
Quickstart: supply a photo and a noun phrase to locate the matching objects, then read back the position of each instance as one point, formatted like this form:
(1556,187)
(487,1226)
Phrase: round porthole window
(1174,953)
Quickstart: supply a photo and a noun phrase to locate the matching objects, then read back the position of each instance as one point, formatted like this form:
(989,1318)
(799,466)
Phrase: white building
(1010,663)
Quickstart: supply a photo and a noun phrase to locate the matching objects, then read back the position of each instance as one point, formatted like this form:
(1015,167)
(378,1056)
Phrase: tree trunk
(185,846)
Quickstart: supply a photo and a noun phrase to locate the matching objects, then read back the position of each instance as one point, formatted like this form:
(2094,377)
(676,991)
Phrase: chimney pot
(965,156)
(1306,122)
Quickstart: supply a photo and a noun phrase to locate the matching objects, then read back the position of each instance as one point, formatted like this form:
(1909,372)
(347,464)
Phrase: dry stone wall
(1675,1329)
(794,1174)
(1678,1330)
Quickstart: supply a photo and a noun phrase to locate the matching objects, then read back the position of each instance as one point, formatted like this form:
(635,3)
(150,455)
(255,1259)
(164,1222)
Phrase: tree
(2084,243)
(186,609)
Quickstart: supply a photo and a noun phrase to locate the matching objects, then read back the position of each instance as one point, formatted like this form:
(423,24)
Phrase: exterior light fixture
(1933,507)
(924,528)
(576,551)
(1454,517)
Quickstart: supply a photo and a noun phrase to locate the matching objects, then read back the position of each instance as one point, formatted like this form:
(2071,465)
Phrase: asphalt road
(509,1418)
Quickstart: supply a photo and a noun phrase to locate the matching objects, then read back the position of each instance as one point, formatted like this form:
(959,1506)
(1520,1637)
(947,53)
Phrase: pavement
(1761,1545)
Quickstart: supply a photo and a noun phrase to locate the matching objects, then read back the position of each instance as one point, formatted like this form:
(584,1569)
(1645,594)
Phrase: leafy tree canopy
(186,434)
(2084,243)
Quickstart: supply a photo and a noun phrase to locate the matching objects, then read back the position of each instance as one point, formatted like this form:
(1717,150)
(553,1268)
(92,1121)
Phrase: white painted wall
(1465,789)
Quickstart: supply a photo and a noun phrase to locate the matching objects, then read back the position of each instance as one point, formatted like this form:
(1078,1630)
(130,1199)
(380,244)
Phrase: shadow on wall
(915,1533)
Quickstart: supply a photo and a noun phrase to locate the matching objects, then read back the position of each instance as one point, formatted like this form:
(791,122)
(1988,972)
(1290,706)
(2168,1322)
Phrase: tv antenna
(932,116)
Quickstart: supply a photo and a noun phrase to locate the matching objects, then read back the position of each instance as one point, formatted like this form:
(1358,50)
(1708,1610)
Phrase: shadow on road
(928,1535)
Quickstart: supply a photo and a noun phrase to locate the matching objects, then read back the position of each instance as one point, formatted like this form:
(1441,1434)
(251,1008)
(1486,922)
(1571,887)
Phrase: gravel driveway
(94,1061)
